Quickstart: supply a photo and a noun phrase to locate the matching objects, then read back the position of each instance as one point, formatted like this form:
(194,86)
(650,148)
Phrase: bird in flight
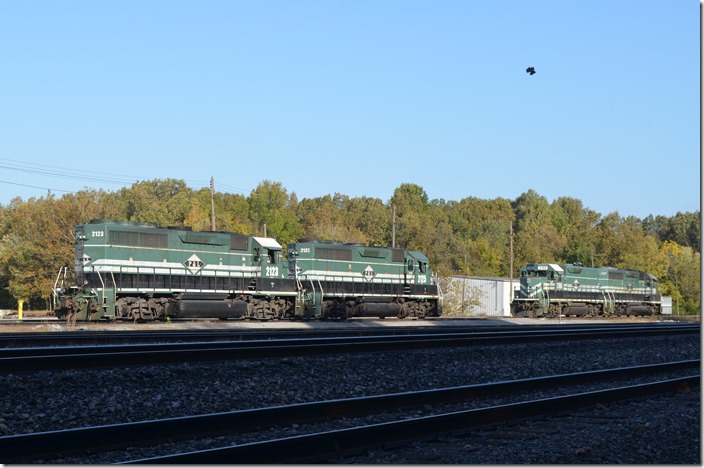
(530,71)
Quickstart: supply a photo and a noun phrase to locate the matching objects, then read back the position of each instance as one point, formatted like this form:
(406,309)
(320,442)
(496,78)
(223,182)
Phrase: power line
(232,189)
(63,172)
(64,176)
(88,176)
(34,186)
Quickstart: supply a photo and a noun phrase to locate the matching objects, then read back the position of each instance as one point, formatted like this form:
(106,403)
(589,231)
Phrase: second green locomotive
(553,290)
(353,280)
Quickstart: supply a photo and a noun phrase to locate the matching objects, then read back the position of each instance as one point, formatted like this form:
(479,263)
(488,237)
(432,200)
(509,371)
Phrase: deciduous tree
(270,205)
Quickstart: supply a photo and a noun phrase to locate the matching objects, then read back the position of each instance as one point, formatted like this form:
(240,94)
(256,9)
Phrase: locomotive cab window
(256,255)
(421,267)
(410,266)
(272,256)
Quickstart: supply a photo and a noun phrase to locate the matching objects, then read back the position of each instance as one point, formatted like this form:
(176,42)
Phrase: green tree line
(466,237)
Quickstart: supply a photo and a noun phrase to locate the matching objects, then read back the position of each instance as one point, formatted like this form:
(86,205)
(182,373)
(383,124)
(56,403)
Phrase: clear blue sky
(357,97)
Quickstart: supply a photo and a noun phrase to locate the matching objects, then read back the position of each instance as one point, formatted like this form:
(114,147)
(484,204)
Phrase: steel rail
(36,339)
(25,447)
(82,357)
(321,447)
(144,336)
(270,336)
(277,339)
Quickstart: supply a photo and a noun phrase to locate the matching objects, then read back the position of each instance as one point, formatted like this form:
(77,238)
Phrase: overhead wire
(62,172)
(34,186)
(89,176)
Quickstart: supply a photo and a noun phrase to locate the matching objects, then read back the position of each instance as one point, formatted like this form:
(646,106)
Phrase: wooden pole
(212,203)
(393,226)
(510,234)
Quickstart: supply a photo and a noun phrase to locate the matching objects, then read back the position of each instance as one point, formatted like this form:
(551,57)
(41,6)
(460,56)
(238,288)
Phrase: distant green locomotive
(354,280)
(138,271)
(552,290)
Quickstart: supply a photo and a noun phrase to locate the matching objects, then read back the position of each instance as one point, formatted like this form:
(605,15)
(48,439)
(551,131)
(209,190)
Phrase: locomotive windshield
(540,273)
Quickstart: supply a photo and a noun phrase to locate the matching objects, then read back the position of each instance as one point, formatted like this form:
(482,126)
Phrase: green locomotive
(353,280)
(139,271)
(553,290)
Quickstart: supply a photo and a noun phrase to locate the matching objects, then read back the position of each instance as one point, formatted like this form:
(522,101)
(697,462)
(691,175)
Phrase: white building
(477,296)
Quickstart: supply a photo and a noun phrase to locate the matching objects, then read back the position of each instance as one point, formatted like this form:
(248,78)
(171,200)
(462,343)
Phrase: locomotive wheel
(554,310)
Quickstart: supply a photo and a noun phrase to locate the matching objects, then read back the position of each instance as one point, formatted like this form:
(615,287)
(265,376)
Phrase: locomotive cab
(417,268)
(266,255)
(534,273)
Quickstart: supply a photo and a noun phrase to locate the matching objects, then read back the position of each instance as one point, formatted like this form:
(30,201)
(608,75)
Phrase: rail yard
(552,382)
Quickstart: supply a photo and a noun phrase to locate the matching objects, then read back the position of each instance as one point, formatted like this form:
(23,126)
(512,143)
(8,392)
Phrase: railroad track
(111,337)
(324,445)
(14,360)
(86,337)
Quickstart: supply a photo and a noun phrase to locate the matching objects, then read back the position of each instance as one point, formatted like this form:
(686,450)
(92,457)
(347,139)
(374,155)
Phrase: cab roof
(268,243)
(418,256)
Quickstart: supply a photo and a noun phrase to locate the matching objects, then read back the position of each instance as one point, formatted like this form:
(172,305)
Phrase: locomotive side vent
(334,254)
(238,242)
(138,239)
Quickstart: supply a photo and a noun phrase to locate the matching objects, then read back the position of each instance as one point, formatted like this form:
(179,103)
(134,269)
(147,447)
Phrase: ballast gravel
(666,429)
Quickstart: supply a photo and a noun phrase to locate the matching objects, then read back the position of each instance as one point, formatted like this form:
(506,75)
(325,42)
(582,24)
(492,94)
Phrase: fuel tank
(376,309)
(575,310)
(199,308)
(638,310)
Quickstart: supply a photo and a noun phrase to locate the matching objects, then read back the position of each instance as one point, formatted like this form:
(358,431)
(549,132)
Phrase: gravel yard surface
(662,430)
(665,430)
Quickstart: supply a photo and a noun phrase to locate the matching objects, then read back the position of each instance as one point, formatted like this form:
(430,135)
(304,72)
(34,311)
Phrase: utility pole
(393,226)
(510,235)
(212,203)
(677,291)
(464,280)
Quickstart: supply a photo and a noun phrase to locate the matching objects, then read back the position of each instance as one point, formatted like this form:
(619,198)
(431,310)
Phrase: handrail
(539,289)
(54,295)
(321,290)
(313,286)
(102,283)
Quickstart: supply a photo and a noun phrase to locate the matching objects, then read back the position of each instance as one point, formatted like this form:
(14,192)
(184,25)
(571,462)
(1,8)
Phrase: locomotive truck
(139,271)
(553,290)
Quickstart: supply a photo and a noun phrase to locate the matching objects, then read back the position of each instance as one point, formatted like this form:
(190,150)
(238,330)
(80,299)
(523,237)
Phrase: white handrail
(312,286)
(54,298)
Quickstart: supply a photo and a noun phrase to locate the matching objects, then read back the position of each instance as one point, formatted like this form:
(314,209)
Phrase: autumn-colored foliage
(467,237)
